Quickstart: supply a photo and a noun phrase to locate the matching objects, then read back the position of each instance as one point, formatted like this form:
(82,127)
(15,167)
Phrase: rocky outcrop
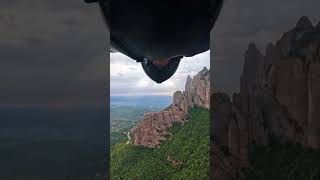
(229,137)
(279,97)
(153,128)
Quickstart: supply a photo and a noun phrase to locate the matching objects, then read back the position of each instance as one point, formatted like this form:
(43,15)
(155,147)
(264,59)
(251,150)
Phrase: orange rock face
(153,128)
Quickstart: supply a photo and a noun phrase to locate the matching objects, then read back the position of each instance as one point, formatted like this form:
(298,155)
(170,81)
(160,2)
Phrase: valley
(127,111)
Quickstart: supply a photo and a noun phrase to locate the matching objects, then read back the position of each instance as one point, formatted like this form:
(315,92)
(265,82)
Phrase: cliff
(279,97)
(153,128)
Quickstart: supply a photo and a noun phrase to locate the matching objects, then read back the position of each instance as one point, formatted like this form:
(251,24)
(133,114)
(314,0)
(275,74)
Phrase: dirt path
(128,134)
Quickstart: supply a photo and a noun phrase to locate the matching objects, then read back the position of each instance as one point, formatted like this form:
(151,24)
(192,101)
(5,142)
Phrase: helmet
(160,73)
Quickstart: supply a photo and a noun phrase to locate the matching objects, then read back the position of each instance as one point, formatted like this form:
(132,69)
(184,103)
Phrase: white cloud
(128,78)
(143,83)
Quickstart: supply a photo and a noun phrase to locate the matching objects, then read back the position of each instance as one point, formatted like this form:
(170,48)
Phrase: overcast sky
(52,53)
(245,21)
(127,76)
(55,52)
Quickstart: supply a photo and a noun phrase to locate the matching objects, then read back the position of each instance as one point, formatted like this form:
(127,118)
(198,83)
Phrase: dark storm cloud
(245,21)
(52,52)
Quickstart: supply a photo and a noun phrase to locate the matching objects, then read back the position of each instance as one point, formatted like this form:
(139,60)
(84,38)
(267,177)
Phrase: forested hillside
(185,155)
(285,162)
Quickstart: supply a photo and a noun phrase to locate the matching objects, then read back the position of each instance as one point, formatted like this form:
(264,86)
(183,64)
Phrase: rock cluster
(153,128)
(279,97)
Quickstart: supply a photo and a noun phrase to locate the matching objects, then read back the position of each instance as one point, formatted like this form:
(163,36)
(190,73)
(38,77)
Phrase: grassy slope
(189,146)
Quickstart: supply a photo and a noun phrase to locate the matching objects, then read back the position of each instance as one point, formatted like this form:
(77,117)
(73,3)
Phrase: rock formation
(279,97)
(153,128)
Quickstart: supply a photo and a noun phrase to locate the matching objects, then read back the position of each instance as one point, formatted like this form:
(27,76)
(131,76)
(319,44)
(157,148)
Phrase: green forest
(123,119)
(183,156)
(285,162)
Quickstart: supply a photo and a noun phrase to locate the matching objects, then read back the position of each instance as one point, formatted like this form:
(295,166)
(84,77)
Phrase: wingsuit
(159,33)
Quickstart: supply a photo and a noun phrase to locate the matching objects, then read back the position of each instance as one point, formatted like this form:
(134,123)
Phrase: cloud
(128,78)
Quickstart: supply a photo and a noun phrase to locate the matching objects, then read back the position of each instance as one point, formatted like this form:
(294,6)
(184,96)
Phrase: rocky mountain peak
(304,23)
(205,69)
(270,48)
(285,86)
(153,128)
(279,97)
(202,74)
(250,72)
(298,41)
(188,83)
(318,25)
(252,45)
(252,52)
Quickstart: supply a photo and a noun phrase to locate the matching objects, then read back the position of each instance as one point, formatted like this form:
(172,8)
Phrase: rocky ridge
(279,97)
(153,128)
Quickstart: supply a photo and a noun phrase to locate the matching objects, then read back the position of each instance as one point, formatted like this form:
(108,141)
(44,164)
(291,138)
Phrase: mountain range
(277,107)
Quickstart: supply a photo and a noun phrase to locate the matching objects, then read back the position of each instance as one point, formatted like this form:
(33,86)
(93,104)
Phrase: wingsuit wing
(215,8)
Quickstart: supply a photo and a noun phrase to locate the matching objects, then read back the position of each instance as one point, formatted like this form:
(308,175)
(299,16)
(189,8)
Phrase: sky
(52,53)
(127,77)
(245,21)
(55,52)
